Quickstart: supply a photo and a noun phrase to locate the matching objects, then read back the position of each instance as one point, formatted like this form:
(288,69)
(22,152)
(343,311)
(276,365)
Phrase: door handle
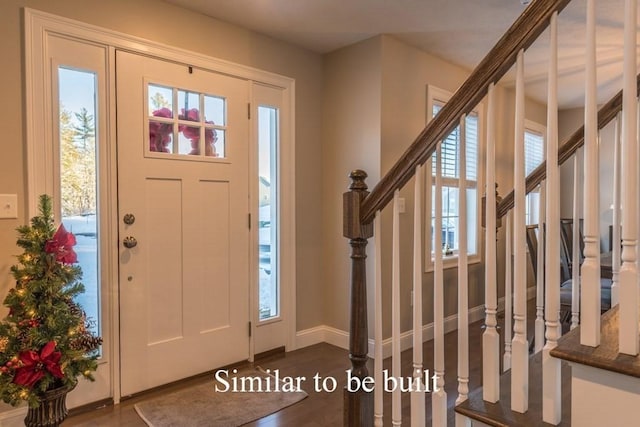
(130,242)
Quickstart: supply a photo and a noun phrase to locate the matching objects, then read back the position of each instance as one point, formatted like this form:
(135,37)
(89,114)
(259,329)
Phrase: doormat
(242,397)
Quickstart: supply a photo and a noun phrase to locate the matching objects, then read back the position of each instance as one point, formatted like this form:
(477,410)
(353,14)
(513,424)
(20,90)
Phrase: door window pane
(160,97)
(189,103)
(269,289)
(78,179)
(189,140)
(214,109)
(160,136)
(177,128)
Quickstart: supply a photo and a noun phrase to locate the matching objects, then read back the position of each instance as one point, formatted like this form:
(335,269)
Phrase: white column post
(551,368)
(490,337)
(396,397)
(418,394)
(575,243)
(508,292)
(520,346)
(540,273)
(438,395)
(590,271)
(628,272)
(377,357)
(615,235)
(463,278)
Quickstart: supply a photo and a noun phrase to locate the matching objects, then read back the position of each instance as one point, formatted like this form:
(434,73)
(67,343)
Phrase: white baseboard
(322,333)
(340,338)
(406,338)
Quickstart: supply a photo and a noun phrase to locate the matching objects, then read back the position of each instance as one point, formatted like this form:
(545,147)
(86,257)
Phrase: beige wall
(569,122)
(351,140)
(383,83)
(406,73)
(175,26)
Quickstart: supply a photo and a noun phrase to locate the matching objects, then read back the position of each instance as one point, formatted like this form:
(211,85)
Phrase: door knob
(129,219)
(129,242)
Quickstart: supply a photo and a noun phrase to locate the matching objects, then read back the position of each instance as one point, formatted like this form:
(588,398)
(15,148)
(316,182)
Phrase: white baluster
(463,279)
(575,243)
(396,397)
(417,394)
(519,346)
(615,235)
(628,272)
(377,357)
(490,337)
(551,368)
(508,293)
(438,395)
(590,271)
(539,323)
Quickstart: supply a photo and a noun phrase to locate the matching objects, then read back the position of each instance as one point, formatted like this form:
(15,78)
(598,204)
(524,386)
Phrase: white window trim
(38,27)
(435,94)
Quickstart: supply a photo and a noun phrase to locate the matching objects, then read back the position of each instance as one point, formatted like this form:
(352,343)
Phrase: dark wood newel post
(358,405)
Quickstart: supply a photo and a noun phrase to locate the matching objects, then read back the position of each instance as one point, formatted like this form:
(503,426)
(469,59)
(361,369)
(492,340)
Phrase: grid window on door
(185,123)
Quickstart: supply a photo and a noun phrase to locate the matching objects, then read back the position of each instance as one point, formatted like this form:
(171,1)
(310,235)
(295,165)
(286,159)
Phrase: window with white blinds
(451,184)
(533,157)
(533,150)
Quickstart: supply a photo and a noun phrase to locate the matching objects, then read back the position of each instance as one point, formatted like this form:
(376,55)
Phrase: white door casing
(184,288)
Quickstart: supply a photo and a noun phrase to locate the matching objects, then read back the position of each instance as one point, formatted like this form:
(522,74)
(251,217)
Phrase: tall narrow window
(452,185)
(269,288)
(78,190)
(533,157)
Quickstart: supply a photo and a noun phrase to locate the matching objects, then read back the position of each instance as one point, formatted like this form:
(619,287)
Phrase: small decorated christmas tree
(45,340)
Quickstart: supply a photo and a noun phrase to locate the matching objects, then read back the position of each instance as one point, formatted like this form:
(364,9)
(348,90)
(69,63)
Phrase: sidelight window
(78,179)
(269,289)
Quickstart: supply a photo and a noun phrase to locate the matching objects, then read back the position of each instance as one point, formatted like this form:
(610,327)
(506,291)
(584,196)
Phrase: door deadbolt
(129,242)
(129,219)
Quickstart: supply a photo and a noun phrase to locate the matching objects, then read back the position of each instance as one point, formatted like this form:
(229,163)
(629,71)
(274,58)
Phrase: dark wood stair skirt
(500,415)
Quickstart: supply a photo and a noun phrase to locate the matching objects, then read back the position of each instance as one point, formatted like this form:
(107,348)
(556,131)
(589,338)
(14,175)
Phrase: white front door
(183,202)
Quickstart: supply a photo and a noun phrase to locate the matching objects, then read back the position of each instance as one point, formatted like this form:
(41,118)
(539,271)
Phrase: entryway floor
(320,409)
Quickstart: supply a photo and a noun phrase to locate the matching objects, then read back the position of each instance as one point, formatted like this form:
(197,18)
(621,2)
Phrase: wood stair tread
(500,415)
(606,355)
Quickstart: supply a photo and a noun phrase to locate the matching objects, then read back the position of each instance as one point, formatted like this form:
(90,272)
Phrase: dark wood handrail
(524,31)
(607,113)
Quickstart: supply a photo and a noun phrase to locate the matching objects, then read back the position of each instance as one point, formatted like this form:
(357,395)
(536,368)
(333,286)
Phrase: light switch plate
(8,206)
(401,205)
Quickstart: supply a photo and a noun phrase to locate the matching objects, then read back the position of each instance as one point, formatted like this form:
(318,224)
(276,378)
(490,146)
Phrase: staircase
(572,373)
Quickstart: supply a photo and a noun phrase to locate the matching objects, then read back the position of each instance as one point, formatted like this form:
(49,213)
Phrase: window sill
(451,261)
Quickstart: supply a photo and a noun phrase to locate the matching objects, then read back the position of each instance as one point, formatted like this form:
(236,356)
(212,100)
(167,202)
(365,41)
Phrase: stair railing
(362,216)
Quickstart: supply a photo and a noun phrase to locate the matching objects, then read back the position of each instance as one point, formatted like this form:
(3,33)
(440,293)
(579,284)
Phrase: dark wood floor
(319,409)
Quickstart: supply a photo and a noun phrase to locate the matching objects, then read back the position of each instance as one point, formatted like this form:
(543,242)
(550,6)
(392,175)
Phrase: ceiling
(459,31)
